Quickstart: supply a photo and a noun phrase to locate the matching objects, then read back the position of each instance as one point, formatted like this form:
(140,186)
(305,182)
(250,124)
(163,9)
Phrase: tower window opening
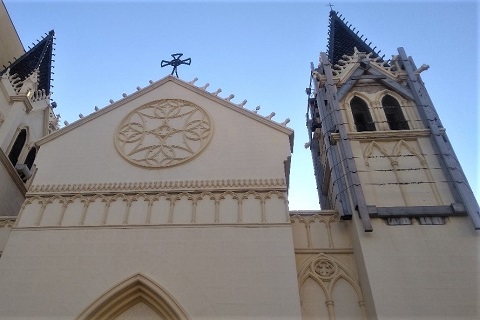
(361,115)
(393,113)
(17,147)
(30,157)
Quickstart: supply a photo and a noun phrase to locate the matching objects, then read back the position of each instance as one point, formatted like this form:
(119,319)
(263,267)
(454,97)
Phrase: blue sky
(259,51)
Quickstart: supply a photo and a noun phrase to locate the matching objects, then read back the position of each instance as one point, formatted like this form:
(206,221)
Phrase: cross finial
(175,62)
(331,6)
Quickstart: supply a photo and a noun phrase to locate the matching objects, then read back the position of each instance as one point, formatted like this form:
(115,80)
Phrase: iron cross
(175,62)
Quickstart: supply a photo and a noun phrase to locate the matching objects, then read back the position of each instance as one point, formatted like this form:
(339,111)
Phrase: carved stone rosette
(163,133)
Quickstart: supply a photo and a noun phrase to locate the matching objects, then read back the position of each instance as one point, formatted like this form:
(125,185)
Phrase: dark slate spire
(39,57)
(342,39)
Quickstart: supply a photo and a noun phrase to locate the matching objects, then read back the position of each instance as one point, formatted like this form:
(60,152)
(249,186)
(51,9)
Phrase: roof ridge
(342,40)
(282,127)
(191,83)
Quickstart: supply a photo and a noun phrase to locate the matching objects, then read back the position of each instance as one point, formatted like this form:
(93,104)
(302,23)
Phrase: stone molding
(183,226)
(383,135)
(311,218)
(324,250)
(137,288)
(161,186)
(7,221)
(160,208)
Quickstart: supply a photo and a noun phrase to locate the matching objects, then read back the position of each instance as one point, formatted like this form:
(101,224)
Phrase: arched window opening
(17,147)
(393,112)
(361,115)
(31,157)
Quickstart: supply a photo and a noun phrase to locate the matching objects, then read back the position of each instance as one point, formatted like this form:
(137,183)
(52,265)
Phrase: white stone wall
(11,190)
(419,271)
(212,272)
(213,231)
(6,225)
(401,172)
(327,277)
(237,149)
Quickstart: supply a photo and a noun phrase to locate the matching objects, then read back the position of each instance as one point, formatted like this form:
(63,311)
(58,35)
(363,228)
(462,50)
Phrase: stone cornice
(7,221)
(12,172)
(160,186)
(324,250)
(312,212)
(156,85)
(160,226)
(384,135)
(23,98)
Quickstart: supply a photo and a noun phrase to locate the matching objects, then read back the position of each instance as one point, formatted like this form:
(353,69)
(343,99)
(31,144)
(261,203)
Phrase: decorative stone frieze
(315,231)
(7,222)
(157,186)
(160,208)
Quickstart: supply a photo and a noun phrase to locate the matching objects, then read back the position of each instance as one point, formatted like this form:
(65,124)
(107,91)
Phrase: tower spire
(39,57)
(342,40)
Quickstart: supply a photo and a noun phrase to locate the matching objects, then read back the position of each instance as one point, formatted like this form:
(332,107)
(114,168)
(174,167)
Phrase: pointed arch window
(17,147)
(361,115)
(31,157)
(393,112)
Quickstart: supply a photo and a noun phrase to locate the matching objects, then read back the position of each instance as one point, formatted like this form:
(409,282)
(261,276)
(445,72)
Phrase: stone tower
(382,159)
(26,112)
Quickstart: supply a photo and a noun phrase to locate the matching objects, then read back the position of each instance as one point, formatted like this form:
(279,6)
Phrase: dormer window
(393,113)
(361,115)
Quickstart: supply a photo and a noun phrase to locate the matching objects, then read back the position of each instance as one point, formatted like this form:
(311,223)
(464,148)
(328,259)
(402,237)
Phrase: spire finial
(331,6)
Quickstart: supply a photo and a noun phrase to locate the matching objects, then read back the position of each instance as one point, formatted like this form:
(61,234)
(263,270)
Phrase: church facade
(162,208)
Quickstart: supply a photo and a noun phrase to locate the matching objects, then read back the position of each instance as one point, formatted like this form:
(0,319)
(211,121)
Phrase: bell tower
(383,160)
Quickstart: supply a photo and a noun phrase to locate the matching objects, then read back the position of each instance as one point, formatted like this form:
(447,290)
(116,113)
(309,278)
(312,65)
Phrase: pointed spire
(39,57)
(342,39)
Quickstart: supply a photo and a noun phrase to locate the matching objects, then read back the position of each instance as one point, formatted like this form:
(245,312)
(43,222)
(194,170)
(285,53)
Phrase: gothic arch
(398,148)
(360,95)
(32,153)
(408,109)
(362,116)
(369,150)
(18,144)
(425,175)
(380,95)
(394,113)
(128,293)
(326,271)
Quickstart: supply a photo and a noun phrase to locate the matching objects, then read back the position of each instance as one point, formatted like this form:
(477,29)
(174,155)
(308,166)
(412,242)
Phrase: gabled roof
(342,40)
(187,85)
(39,57)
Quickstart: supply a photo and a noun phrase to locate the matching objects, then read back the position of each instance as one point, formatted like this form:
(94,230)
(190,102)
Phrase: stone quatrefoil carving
(324,268)
(163,133)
